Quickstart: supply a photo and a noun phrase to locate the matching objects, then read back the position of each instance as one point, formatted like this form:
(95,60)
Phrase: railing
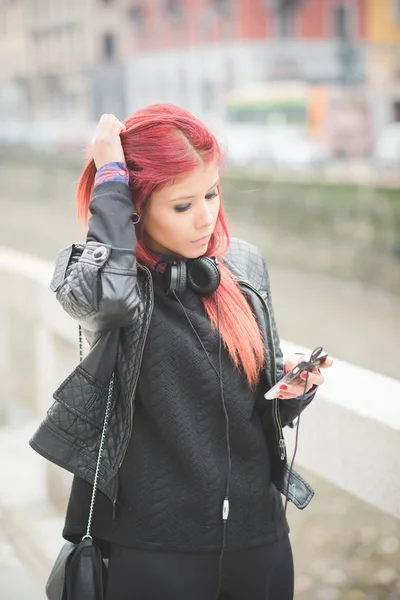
(350,435)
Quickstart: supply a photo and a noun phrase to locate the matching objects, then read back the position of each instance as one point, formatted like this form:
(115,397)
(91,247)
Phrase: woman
(189,505)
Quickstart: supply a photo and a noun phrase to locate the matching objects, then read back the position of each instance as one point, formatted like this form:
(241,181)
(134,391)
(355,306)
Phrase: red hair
(161,143)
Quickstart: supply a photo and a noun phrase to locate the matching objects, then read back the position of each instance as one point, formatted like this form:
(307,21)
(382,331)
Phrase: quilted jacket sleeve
(95,282)
(289,409)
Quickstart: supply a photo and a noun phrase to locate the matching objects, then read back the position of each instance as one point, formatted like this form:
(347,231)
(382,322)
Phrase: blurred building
(383,36)
(13,59)
(66,57)
(72,60)
(192,53)
(83,57)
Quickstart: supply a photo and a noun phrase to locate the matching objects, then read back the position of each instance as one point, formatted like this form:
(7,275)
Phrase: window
(341,22)
(108,46)
(284,17)
(396,11)
(136,14)
(174,8)
(229,73)
(396,111)
(183,86)
(223,6)
(207,96)
(206,22)
(52,84)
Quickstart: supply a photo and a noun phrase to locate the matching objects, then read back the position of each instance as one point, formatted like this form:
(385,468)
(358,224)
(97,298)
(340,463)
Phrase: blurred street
(16,580)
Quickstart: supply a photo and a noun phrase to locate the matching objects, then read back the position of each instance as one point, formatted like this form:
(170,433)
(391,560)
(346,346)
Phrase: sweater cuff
(113,171)
(308,395)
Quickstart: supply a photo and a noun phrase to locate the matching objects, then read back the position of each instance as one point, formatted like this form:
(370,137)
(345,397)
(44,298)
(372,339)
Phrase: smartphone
(314,360)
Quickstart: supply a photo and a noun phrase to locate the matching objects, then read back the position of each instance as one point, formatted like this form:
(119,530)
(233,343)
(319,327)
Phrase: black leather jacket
(101,285)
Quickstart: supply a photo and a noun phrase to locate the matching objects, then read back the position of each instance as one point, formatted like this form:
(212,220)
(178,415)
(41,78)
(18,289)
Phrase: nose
(205,217)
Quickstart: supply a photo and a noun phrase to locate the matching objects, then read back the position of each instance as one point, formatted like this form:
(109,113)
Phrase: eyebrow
(189,197)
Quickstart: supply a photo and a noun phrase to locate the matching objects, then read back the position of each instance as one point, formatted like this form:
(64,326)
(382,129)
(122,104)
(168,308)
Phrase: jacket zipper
(131,403)
(280,438)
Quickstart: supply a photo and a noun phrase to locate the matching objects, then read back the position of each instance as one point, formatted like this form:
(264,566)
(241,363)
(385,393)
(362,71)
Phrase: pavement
(17,582)
(29,528)
(344,549)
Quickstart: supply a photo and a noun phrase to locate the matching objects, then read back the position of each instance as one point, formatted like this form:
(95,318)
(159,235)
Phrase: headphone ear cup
(175,277)
(203,275)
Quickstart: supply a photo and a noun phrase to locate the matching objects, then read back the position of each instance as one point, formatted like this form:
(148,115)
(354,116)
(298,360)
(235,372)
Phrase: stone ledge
(350,434)
(26,515)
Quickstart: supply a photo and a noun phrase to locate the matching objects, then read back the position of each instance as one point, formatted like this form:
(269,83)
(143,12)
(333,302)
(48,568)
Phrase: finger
(293,360)
(103,126)
(108,126)
(297,389)
(328,362)
(290,395)
(113,119)
(108,119)
(118,124)
(314,377)
(294,390)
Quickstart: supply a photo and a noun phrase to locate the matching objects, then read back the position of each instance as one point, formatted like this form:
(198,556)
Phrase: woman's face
(181,217)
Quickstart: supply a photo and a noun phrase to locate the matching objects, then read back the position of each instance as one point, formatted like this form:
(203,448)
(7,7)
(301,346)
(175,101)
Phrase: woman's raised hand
(106,143)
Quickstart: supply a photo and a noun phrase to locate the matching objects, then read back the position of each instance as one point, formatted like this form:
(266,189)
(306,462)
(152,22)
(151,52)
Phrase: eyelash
(185,207)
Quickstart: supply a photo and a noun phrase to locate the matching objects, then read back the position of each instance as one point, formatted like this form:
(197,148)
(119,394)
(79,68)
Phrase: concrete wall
(344,230)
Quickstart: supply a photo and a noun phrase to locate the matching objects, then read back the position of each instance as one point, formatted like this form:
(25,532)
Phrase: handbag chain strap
(102,441)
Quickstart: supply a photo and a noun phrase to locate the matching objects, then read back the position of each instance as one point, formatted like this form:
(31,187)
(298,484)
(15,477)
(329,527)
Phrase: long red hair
(161,143)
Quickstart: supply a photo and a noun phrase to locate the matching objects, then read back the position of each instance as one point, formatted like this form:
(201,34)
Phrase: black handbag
(79,572)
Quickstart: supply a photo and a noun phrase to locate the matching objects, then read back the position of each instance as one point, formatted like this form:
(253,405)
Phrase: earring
(135,218)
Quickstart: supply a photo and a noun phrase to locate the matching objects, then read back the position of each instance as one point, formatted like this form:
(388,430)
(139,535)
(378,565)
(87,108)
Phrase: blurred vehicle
(297,152)
(244,145)
(272,125)
(258,147)
(386,152)
(282,106)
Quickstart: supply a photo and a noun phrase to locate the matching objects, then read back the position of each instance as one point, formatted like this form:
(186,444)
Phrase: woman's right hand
(106,144)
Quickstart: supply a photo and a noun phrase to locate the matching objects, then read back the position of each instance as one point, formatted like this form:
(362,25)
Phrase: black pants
(264,573)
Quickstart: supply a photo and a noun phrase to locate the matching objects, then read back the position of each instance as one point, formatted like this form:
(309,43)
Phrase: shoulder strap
(102,440)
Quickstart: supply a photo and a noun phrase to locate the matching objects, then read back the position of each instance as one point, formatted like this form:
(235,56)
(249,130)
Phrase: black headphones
(201,275)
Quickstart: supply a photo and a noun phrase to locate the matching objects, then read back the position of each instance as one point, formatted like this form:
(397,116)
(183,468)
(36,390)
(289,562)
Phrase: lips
(202,239)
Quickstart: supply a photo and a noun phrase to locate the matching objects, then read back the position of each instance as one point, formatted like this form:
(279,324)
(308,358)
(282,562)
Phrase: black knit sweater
(173,478)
